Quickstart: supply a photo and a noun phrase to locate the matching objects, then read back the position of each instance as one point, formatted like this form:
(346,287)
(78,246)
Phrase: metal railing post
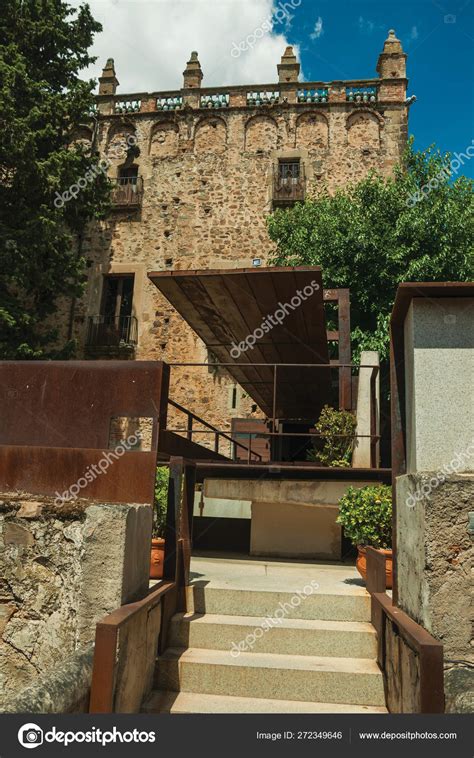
(190,427)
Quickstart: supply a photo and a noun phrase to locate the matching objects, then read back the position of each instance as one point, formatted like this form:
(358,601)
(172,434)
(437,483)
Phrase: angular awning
(282,308)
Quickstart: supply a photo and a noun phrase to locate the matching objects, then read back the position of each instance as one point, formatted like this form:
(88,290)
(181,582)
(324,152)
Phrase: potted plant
(159,523)
(335,441)
(366,515)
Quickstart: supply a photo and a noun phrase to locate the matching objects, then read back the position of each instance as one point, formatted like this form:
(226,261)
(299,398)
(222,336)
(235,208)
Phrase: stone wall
(435,555)
(62,569)
(208,188)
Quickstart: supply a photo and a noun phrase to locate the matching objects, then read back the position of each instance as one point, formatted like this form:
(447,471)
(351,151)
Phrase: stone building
(196,172)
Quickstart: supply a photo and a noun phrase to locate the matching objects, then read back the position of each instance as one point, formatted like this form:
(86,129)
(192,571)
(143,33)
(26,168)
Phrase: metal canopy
(225,306)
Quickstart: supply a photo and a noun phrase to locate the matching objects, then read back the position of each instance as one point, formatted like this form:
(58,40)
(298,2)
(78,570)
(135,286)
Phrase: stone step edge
(281,661)
(356,627)
(162,701)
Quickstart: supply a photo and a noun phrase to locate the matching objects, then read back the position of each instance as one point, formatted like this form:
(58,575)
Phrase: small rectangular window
(117,296)
(289,170)
(128,175)
(288,182)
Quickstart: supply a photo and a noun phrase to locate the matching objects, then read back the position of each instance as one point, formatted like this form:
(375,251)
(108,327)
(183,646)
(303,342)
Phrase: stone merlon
(392,60)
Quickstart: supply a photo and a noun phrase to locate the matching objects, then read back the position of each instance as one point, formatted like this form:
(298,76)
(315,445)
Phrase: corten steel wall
(66,562)
(207,179)
(56,420)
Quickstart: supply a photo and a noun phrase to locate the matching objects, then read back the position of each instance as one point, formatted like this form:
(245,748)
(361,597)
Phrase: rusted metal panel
(251,433)
(70,403)
(173,444)
(105,649)
(224,307)
(299,470)
(128,478)
(409,290)
(55,424)
(430,697)
(342,298)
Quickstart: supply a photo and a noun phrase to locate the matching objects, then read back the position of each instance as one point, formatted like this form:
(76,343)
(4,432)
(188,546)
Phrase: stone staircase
(317,656)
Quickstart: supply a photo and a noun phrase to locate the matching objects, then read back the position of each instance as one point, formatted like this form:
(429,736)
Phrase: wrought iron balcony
(112,332)
(289,184)
(127,192)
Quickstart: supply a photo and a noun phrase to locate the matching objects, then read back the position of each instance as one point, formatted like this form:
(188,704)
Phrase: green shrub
(334,446)
(161,501)
(366,515)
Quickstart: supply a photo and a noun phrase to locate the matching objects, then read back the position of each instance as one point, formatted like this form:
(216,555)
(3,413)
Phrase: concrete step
(284,636)
(229,601)
(191,702)
(319,679)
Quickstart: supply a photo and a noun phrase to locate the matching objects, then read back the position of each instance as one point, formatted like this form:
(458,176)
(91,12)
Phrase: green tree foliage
(43,47)
(373,235)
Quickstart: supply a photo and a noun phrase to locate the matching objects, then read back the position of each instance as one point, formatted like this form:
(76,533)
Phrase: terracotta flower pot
(361,564)
(157,558)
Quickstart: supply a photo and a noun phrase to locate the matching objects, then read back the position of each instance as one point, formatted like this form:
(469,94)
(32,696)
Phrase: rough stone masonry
(62,569)
(204,163)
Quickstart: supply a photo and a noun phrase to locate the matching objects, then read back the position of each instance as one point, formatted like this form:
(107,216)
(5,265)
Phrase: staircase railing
(129,639)
(411,659)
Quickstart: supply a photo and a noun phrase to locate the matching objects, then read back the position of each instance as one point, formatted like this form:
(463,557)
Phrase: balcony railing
(127,192)
(357,91)
(320,95)
(288,187)
(215,101)
(361,95)
(128,106)
(171,103)
(110,331)
(263,97)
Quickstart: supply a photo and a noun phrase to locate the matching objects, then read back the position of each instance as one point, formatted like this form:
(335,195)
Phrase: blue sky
(438,38)
(151,40)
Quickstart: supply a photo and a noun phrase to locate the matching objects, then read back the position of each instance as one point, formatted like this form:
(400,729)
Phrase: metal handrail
(112,331)
(127,190)
(336,366)
(218,433)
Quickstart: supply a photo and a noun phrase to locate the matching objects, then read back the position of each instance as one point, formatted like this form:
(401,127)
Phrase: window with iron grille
(289,170)
(288,182)
(128,175)
(114,326)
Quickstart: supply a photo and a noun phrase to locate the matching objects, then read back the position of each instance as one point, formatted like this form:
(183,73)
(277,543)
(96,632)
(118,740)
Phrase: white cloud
(151,40)
(367,26)
(414,33)
(318,29)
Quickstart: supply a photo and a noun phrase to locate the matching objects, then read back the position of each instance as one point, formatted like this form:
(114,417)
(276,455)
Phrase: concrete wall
(435,555)
(289,519)
(434,545)
(439,360)
(361,457)
(62,569)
